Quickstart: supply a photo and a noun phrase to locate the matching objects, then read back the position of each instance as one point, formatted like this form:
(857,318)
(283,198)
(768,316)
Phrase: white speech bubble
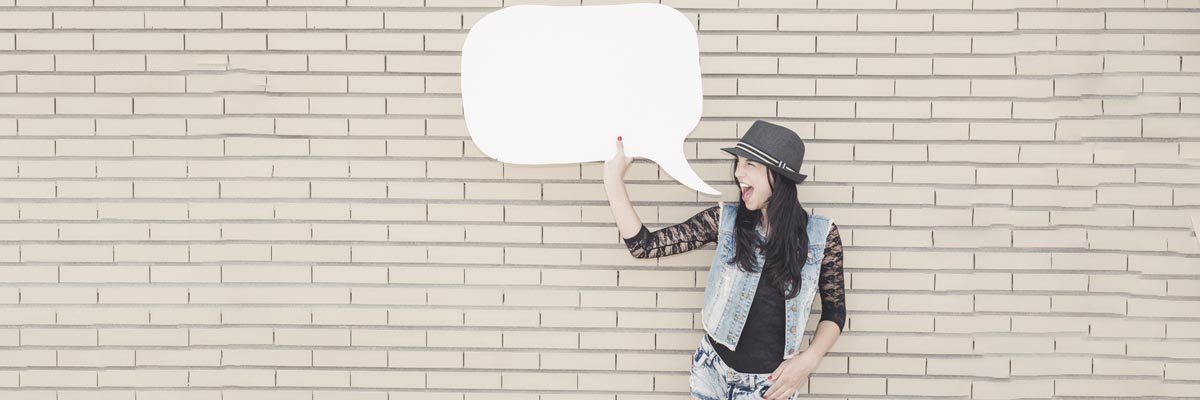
(558,84)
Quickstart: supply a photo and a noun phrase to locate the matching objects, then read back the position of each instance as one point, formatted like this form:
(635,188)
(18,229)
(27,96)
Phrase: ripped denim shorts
(711,379)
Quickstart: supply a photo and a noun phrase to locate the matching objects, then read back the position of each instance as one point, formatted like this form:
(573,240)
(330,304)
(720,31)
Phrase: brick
(1058,64)
(933,44)
(811,22)
(232,377)
(98,20)
(183,19)
(263,20)
(890,109)
(344,20)
(895,66)
(934,174)
(1141,63)
(225,41)
(895,22)
(836,385)
(975,323)
(266,62)
(1149,20)
(988,366)
(306,41)
(99,62)
(855,44)
(929,386)
(1007,44)
(1169,41)
(139,41)
(774,44)
(422,20)
(1061,20)
(1101,42)
(26,19)
(975,22)
(54,41)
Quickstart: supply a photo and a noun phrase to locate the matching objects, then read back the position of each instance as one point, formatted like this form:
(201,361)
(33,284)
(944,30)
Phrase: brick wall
(261,199)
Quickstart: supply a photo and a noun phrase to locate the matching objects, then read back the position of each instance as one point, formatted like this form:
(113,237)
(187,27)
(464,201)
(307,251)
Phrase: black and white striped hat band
(762,154)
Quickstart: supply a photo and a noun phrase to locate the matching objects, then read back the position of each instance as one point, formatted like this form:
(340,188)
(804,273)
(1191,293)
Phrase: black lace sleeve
(687,235)
(833,292)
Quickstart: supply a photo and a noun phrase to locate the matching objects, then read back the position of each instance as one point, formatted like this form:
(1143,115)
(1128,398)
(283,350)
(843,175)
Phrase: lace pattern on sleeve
(833,293)
(684,236)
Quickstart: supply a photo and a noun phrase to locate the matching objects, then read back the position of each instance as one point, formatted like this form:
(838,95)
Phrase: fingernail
(771,378)
(618,138)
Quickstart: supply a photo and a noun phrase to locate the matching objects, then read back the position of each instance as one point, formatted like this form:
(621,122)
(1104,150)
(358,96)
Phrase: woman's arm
(695,232)
(614,185)
(793,372)
(701,228)
(833,297)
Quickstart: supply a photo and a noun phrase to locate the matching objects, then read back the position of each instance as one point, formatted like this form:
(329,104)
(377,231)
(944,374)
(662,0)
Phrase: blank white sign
(558,84)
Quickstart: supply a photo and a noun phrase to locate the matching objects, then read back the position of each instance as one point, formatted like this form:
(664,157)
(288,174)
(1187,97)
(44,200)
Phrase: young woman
(753,326)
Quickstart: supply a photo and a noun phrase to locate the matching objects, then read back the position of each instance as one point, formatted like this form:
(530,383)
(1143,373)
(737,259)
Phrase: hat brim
(795,176)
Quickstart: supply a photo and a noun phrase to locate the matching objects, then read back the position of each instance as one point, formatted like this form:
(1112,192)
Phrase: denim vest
(730,291)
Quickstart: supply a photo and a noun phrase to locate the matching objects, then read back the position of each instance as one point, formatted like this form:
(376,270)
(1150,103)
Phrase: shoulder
(728,207)
(726,210)
(819,220)
(711,212)
(708,216)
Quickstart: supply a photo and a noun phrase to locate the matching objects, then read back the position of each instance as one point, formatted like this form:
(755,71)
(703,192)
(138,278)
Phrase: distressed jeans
(711,379)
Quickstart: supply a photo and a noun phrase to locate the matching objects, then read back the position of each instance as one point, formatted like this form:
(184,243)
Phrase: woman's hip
(711,379)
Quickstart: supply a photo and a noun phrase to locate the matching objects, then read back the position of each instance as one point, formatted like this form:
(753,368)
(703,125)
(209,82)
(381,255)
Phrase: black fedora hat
(779,148)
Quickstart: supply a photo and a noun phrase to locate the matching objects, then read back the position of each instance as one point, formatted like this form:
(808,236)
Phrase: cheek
(763,189)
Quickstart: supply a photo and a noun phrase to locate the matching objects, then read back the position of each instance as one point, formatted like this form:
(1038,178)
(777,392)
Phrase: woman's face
(753,179)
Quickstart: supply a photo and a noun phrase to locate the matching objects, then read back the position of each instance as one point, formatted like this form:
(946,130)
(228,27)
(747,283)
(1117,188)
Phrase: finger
(776,373)
(779,392)
(776,385)
(774,389)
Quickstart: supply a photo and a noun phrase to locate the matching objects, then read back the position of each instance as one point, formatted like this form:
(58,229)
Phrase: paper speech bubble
(558,84)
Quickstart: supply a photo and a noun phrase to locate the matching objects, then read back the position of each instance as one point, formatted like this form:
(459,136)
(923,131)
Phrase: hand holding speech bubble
(558,84)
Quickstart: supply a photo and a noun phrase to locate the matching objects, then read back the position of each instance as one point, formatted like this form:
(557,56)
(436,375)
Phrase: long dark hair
(786,249)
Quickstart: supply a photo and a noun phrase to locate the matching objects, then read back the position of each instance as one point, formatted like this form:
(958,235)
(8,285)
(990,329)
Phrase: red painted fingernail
(771,378)
(618,138)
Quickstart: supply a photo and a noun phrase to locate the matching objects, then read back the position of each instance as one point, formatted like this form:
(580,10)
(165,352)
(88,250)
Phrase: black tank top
(760,348)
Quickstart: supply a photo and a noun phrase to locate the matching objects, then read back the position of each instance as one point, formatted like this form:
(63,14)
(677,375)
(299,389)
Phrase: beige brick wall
(278,199)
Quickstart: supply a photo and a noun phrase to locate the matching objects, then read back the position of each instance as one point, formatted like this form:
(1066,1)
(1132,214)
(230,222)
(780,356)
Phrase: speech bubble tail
(677,166)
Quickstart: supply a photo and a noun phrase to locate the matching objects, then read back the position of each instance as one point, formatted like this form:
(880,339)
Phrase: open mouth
(747,191)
